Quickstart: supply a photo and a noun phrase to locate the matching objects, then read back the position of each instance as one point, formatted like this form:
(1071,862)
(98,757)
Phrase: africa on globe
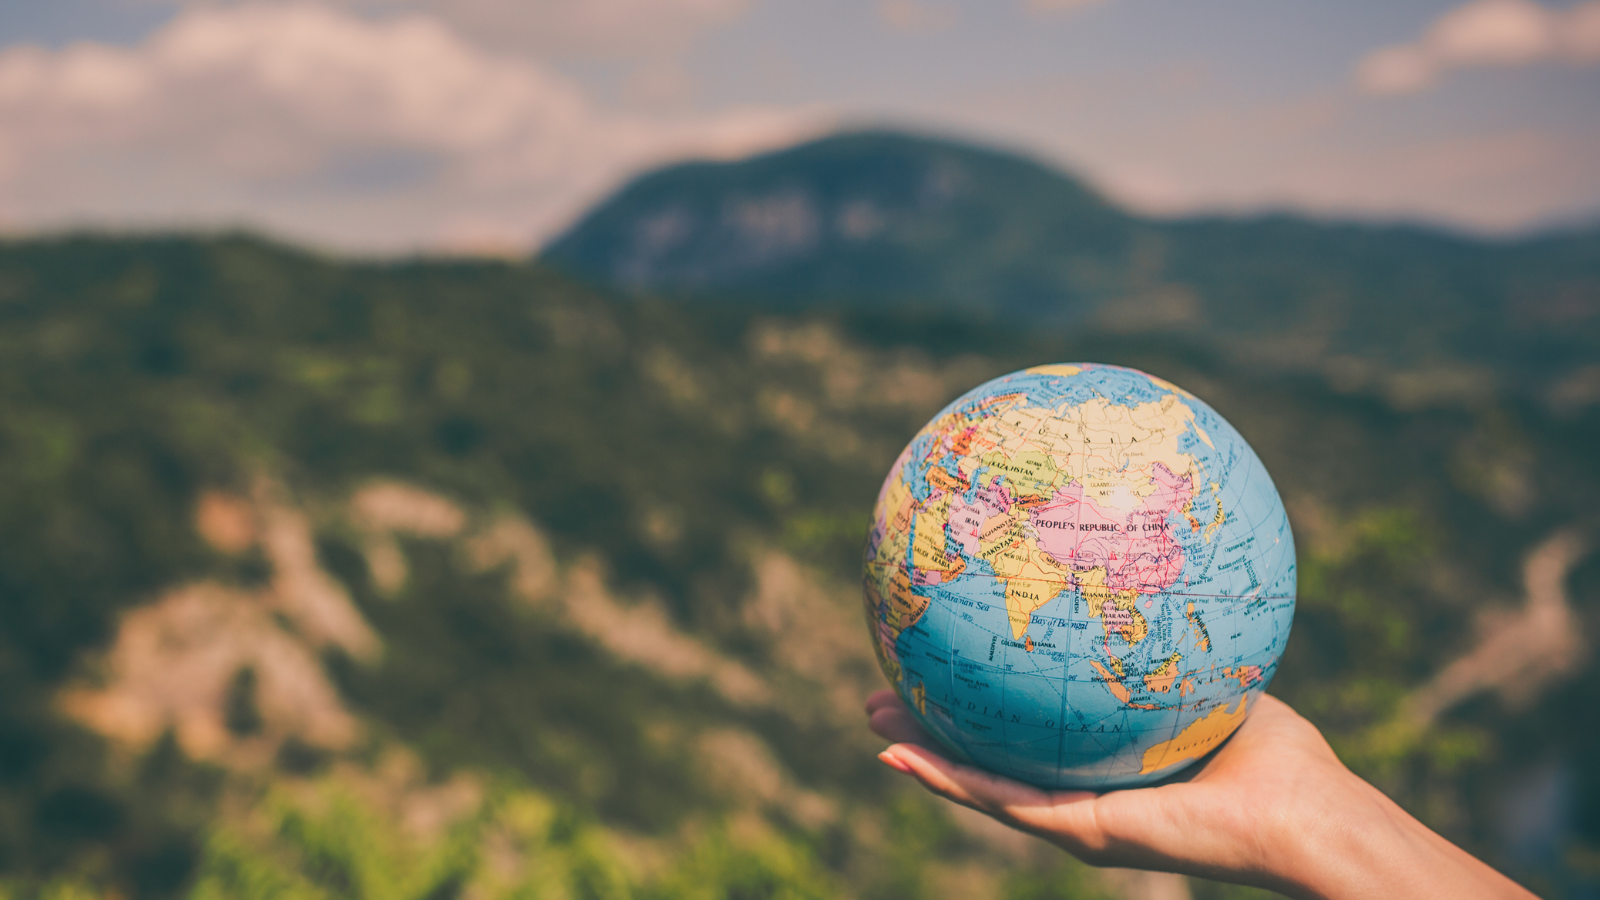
(1079,576)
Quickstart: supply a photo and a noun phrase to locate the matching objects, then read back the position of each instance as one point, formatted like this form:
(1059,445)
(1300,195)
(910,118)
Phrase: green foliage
(478,681)
(670,442)
(1067,880)
(916,835)
(1210,890)
(324,840)
(720,867)
(336,844)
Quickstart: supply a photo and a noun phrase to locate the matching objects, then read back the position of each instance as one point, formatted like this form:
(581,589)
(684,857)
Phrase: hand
(1273,808)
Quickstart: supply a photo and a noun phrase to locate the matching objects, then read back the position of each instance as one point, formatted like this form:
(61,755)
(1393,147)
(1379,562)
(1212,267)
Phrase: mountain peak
(877,214)
(896,221)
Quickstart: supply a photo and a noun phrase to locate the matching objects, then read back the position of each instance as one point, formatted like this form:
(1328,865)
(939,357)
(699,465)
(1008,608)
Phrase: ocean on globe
(1079,576)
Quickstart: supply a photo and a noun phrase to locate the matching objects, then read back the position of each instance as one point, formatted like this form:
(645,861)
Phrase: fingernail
(893,762)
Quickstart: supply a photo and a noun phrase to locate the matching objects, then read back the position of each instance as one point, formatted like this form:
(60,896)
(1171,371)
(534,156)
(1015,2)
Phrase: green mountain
(428,579)
(879,216)
(891,221)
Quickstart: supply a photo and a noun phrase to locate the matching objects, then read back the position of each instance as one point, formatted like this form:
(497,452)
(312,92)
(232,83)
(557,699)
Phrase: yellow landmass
(889,664)
(873,598)
(896,510)
(1116,490)
(896,497)
(1221,516)
(1055,369)
(1161,678)
(1032,578)
(1023,596)
(1039,449)
(928,537)
(1023,427)
(943,480)
(1000,533)
(1125,619)
(904,607)
(957,420)
(919,696)
(1202,635)
(1005,546)
(1188,507)
(1168,386)
(969,464)
(1112,683)
(890,612)
(1098,436)
(1245,675)
(1197,740)
(1030,473)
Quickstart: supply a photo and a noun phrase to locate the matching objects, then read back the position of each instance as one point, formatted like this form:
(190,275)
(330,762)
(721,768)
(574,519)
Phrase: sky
(486,126)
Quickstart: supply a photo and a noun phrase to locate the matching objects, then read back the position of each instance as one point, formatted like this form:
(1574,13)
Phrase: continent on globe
(1049,561)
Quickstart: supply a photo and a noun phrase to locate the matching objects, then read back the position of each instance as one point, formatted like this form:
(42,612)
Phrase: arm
(1273,808)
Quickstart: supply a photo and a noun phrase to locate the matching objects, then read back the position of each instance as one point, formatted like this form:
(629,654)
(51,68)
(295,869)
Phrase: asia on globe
(1079,576)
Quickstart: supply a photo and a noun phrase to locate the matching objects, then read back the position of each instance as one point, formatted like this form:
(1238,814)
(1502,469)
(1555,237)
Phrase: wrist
(1338,846)
(1356,842)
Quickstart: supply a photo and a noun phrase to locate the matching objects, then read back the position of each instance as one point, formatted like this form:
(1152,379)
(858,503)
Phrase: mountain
(433,579)
(875,215)
(880,220)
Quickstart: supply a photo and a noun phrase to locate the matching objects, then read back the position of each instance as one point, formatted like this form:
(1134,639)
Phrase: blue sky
(485,125)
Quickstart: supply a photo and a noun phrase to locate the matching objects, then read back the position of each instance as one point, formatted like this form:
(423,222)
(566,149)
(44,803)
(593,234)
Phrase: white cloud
(913,16)
(593,26)
(1499,183)
(372,135)
(553,27)
(1485,33)
(1170,145)
(1048,7)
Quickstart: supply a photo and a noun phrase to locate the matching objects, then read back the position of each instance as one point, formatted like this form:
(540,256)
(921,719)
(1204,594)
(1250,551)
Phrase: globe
(1079,576)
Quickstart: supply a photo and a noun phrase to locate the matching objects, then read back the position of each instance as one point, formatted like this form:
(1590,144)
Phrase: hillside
(887,221)
(437,579)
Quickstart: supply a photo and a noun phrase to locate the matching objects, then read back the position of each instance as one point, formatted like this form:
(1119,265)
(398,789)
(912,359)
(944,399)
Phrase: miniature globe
(1079,576)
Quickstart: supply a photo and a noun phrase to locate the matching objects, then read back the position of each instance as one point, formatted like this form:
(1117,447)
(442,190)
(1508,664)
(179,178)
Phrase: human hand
(1273,807)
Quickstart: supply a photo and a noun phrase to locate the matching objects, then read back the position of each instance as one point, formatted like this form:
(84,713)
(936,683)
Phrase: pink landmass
(1135,547)
(1246,675)
(969,521)
(996,500)
(966,523)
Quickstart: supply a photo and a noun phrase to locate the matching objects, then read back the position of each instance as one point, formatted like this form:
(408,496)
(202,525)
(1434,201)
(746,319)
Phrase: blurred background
(437,437)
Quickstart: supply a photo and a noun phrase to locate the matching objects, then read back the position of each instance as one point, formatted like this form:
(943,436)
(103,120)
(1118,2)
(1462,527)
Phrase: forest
(449,578)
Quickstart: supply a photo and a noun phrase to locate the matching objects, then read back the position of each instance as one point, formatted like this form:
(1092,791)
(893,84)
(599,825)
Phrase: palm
(1221,819)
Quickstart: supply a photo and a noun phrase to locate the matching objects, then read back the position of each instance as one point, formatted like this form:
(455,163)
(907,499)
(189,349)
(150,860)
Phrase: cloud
(306,120)
(1049,7)
(1485,33)
(912,16)
(607,28)
(1171,145)
(1501,183)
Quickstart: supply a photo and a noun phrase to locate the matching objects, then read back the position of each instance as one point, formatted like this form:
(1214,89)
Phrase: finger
(882,699)
(933,771)
(896,725)
(1008,800)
